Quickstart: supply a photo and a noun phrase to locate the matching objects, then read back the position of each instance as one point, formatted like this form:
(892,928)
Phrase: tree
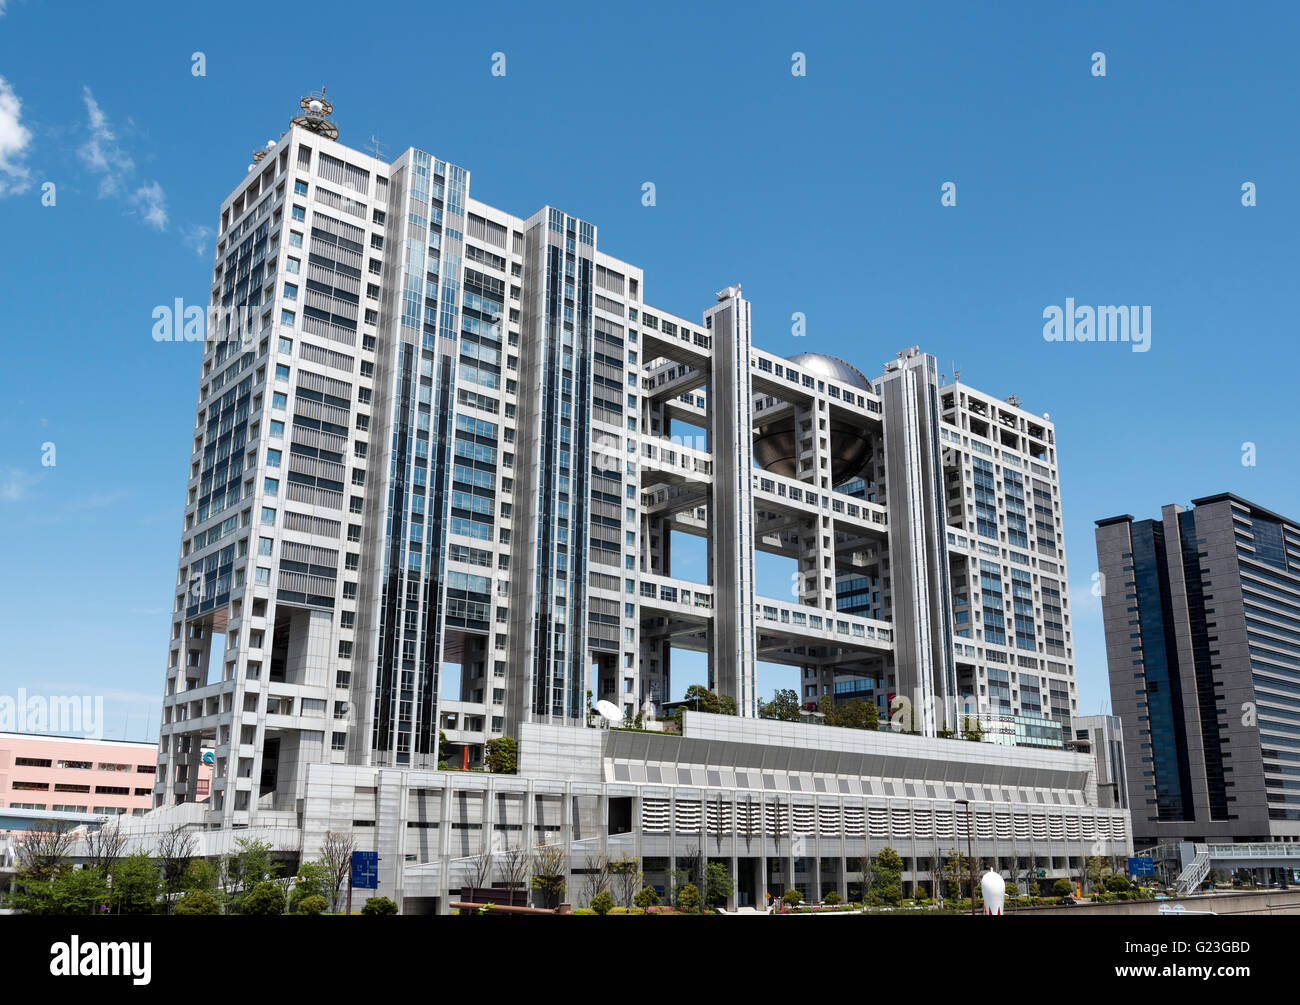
(249,866)
(602,903)
(379,905)
(443,751)
(956,867)
(689,869)
(832,898)
(200,876)
(514,868)
(312,905)
(826,706)
(480,870)
(688,899)
(717,884)
(503,755)
(647,898)
(104,846)
(792,897)
(857,713)
(889,870)
(137,882)
(42,853)
(549,878)
(626,877)
(311,881)
(336,853)
(76,891)
(175,849)
(1095,868)
(783,706)
(1062,888)
(265,898)
(595,876)
(40,857)
(197,902)
(700,698)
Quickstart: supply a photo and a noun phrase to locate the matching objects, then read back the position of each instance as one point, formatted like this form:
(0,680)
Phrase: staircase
(1194,873)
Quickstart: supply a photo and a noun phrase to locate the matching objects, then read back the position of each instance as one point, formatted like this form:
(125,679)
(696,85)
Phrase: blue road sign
(1141,866)
(365,870)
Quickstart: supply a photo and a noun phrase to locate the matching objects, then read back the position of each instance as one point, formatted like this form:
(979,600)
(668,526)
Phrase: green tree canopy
(503,755)
(783,706)
(137,885)
(197,902)
(700,698)
(717,884)
(265,898)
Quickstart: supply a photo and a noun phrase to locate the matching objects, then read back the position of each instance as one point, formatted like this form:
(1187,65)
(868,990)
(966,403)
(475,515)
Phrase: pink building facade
(77,775)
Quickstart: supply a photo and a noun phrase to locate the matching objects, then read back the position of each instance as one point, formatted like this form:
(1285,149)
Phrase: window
(268,516)
(277,429)
(271,486)
(290,291)
(295,239)
(299,213)
(273,458)
(264,545)
(300,187)
(279,401)
(286,345)
(263,576)
(286,318)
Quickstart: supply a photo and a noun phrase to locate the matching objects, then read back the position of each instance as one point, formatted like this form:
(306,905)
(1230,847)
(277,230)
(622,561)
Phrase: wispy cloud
(104,154)
(15,138)
(96,500)
(14,483)
(152,203)
(197,237)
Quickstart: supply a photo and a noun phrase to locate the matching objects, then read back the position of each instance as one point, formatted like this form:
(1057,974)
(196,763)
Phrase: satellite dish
(609,711)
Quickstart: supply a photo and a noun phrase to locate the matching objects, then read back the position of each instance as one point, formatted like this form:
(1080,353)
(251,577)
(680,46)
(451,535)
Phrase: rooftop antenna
(956,374)
(316,110)
(376,145)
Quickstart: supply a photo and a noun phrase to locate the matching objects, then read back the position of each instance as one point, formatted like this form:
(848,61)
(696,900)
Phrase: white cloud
(106,157)
(14,483)
(197,236)
(101,152)
(152,202)
(14,140)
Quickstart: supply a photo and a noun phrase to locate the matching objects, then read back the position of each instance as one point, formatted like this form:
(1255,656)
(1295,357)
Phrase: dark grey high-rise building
(1202,617)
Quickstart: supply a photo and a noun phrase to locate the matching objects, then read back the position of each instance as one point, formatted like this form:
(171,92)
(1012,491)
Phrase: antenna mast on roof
(316,110)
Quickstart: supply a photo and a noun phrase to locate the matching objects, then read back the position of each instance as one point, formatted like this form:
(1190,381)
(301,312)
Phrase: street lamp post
(970,855)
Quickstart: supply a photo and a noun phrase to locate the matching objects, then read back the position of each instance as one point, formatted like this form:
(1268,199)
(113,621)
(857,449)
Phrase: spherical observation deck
(776,445)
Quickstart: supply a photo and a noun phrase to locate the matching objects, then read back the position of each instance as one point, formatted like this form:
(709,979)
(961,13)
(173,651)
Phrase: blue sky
(821,194)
